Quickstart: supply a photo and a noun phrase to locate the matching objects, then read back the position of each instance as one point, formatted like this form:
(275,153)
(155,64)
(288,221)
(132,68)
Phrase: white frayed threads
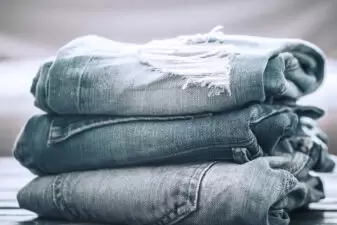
(202,59)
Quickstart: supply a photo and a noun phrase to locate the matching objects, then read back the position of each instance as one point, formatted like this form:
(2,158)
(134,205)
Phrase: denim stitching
(59,200)
(196,178)
(268,115)
(103,122)
(57,194)
(49,142)
(79,88)
(300,168)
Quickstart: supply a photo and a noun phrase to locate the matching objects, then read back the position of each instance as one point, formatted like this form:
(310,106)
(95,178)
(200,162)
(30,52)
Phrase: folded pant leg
(94,75)
(50,144)
(306,149)
(208,193)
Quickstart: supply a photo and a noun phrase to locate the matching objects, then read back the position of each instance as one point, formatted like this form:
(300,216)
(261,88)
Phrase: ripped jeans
(186,75)
(190,130)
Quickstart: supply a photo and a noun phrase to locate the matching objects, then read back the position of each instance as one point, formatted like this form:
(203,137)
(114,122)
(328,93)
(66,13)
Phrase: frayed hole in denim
(202,60)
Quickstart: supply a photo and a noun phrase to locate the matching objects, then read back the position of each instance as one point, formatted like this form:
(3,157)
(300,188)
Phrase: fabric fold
(205,193)
(210,72)
(50,144)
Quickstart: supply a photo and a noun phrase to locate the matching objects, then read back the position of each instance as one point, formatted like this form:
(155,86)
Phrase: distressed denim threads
(198,129)
(196,74)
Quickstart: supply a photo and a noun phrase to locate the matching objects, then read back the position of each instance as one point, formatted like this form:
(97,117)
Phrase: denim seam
(311,156)
(268,115)
(285,129)
(149,160)
(195,179)
(46,87)
(249,156)
(299,170)
(239,143)
(57,194)
(287,187)
(305,163)
(291,127)
(73,131)
(59,200)
(183,151)
(49,142)
(79,89)
(130,162)
(293,68)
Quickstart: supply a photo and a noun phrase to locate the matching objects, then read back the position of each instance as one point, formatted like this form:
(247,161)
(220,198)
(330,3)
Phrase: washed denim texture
(200,129)
(306,150)
(205,193)
(55,144)
(94,75)
(50,144)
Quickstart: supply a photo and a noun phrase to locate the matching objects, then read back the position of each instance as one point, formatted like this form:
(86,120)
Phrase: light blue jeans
(215,73)
(259,192)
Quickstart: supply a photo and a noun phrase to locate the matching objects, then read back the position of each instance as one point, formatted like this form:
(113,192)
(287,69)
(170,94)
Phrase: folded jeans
(50,144)
(100,76)
(203,193)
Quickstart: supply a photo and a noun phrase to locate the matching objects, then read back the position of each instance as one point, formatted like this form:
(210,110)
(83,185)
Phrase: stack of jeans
(199,129)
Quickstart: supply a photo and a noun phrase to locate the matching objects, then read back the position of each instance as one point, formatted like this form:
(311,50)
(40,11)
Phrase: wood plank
(9,204)
(14,182)
(16,212)
(8,195)
(44,222)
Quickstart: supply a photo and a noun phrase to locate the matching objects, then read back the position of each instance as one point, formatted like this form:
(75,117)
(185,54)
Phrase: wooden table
(13,177)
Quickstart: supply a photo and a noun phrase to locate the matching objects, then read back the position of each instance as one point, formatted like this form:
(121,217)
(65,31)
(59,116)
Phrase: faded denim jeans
(203,118)
(55,144)
(259,192)
(51,144)
(186,75)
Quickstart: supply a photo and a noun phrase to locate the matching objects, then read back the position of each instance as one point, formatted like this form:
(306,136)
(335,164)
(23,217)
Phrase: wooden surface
(13,177)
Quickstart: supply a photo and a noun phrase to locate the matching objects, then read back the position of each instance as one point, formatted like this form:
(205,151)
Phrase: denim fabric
(305,150)
(205,193)
(50,144)
(94,75)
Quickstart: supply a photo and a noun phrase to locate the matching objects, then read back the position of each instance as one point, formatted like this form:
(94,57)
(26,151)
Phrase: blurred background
(31,30)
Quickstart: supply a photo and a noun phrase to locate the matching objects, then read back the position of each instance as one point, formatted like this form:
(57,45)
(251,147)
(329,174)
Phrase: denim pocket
(141,196)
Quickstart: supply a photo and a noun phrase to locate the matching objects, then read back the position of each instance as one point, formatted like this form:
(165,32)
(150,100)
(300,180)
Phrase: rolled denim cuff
(99,76)
(307,147)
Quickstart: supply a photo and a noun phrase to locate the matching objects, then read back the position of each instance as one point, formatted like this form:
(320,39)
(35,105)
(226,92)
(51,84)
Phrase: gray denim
(94,75)
(307,148)
(257,192)
(50,144)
